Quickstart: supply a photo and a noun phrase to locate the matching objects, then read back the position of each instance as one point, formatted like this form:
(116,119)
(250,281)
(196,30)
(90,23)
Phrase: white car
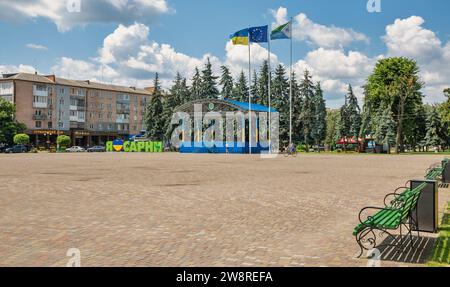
(75,149)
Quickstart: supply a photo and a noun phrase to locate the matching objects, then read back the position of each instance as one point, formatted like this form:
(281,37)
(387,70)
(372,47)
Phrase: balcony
(40,105)
(39,117)
(122,121)
(75,125)
(40,93)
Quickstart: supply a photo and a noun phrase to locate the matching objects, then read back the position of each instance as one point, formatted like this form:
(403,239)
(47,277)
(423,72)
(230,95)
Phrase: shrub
(63,141)
(21,139)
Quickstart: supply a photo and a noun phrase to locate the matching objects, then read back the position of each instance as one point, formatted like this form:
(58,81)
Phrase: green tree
(353,113)
(333,135)
(254,89)
(384,132)
(154,118)
(22,139)
(208,83)
(395,82)
(320,114)
(8,124)
(263,84)
(435,135)
(172,100)
(308,112)
(240,92)
(297,103)
(280,100)
(226,81)
(444,110)
(196,87)
(63,141)
(416,137)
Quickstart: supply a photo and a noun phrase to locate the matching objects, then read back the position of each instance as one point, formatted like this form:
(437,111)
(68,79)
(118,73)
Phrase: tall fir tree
(173,99)
(263,84)
(384,130)
(435,136)
(308,112)
(196,87)
(240,91)
(208,83)
(226,81)
(320,116)
(297,105)
(154,119)
(280,100)
(254,89)
(353,113)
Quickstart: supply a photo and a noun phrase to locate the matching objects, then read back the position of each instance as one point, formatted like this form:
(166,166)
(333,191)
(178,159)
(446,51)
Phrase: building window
(61,124)
(50,125)
(38,124)
(62,91)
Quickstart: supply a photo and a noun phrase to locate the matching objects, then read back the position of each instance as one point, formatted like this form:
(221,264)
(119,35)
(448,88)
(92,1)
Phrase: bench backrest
(408,200)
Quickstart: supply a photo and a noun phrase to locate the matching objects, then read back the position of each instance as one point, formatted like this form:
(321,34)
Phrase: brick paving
(193,210)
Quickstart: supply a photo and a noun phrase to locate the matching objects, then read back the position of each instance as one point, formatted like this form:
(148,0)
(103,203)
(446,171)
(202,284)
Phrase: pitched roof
(76,83)
(28,77)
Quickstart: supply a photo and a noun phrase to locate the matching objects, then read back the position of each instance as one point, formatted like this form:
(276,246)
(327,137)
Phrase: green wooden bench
(375,228)
(435,171)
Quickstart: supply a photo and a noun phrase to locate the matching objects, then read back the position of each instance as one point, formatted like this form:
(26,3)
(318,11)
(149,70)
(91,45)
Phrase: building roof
(27,77)
(242,106)
(76,83)
(253,107)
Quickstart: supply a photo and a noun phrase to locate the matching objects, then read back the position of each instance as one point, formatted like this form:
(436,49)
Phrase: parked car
(75,149)
(96,149)
(17,149)
(3,148)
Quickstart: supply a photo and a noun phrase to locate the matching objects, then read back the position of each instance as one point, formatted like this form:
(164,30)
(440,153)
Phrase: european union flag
(258,34)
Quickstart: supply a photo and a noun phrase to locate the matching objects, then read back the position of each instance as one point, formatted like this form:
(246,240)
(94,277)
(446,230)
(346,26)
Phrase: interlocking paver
(192,210)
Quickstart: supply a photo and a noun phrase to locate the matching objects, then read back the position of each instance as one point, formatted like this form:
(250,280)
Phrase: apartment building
(90,113)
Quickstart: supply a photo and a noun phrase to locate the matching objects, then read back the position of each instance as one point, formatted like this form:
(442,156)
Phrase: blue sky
(200,28)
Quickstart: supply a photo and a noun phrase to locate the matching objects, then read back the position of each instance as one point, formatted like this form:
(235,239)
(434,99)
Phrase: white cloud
(129,56)
(408,38)
(36,46)
(100,11)
(335,69)
(237,57)
(304,29)
(9,69)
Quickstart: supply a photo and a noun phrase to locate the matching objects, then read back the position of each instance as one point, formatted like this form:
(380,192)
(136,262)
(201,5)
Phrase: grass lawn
(441,253)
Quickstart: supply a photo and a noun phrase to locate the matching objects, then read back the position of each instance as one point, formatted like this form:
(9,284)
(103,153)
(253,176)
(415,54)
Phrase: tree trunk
(401,111)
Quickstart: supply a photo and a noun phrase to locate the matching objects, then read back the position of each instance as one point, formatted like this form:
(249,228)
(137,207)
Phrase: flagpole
(270,102)
(290,88)
(249,96)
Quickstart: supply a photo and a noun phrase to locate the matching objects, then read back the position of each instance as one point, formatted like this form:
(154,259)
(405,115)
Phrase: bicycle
(290,152)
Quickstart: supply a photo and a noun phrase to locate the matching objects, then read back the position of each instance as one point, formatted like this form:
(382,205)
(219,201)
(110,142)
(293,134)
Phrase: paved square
(192,210)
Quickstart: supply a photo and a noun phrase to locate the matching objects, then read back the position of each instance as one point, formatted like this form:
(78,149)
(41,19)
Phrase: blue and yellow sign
(132,146)
(117,145)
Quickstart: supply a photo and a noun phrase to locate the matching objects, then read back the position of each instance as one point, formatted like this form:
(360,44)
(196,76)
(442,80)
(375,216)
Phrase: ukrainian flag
(240,37)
